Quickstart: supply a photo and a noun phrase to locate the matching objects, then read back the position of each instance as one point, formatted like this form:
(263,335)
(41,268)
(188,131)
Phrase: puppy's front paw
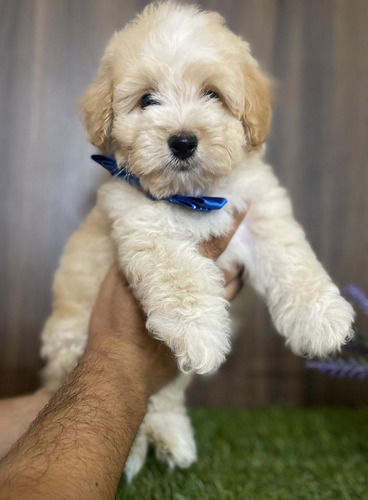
(320,327)
(201,351)
(203,345)
(200,340)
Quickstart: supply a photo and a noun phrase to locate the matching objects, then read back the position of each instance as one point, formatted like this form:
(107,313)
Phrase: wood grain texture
(317,50)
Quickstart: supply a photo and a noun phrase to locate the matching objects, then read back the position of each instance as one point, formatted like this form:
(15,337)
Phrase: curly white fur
(177,52)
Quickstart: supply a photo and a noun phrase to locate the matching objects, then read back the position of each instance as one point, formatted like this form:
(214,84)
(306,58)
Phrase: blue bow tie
(203,204)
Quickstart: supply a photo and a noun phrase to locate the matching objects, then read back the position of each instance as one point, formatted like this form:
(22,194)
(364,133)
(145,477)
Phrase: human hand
(215,247)
(117,327)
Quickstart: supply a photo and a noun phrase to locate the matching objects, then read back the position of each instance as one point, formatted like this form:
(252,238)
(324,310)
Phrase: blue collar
(203,204)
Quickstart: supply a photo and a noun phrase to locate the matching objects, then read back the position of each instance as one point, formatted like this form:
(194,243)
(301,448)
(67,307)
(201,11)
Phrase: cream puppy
(182,104)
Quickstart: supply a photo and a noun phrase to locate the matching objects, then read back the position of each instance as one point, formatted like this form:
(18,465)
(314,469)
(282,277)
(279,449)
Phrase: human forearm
(79,442)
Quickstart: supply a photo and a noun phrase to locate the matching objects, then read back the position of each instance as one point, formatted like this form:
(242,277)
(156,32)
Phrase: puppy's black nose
(183,146)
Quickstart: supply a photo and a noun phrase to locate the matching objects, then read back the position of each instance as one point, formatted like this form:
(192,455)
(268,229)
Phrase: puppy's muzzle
(183,146)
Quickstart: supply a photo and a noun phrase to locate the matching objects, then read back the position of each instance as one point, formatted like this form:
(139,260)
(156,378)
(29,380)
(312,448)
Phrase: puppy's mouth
(182,166)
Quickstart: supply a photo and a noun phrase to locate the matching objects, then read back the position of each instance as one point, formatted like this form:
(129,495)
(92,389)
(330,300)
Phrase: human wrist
(118,369)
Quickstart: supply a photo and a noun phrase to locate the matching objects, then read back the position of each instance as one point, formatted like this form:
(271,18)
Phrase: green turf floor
(275,453)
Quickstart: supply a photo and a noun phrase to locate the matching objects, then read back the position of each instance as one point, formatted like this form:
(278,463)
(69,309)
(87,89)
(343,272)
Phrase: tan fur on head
(178,52)
(257,105)
(96,105)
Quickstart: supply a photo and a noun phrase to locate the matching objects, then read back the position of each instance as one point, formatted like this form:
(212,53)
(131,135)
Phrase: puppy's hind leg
(87,257)
(137,455)
(168,428)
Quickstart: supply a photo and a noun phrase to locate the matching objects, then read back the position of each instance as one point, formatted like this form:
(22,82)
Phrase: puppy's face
(179,100)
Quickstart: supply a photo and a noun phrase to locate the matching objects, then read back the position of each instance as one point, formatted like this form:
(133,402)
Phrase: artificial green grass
(275,453)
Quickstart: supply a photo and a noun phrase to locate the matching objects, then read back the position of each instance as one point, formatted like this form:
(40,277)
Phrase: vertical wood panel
(317,51)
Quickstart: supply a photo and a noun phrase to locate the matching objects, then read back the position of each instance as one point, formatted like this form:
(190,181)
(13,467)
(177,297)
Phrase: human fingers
(233,288)
(214,247)
(233,273)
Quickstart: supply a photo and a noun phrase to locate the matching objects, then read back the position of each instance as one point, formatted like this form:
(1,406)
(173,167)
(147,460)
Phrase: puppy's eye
(148,100)
(211,94)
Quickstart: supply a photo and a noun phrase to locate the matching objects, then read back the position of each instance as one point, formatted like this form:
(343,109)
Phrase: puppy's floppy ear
(256,116)
(96,106)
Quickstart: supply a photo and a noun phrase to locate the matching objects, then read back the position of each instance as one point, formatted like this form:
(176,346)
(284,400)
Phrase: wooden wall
(49,52)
